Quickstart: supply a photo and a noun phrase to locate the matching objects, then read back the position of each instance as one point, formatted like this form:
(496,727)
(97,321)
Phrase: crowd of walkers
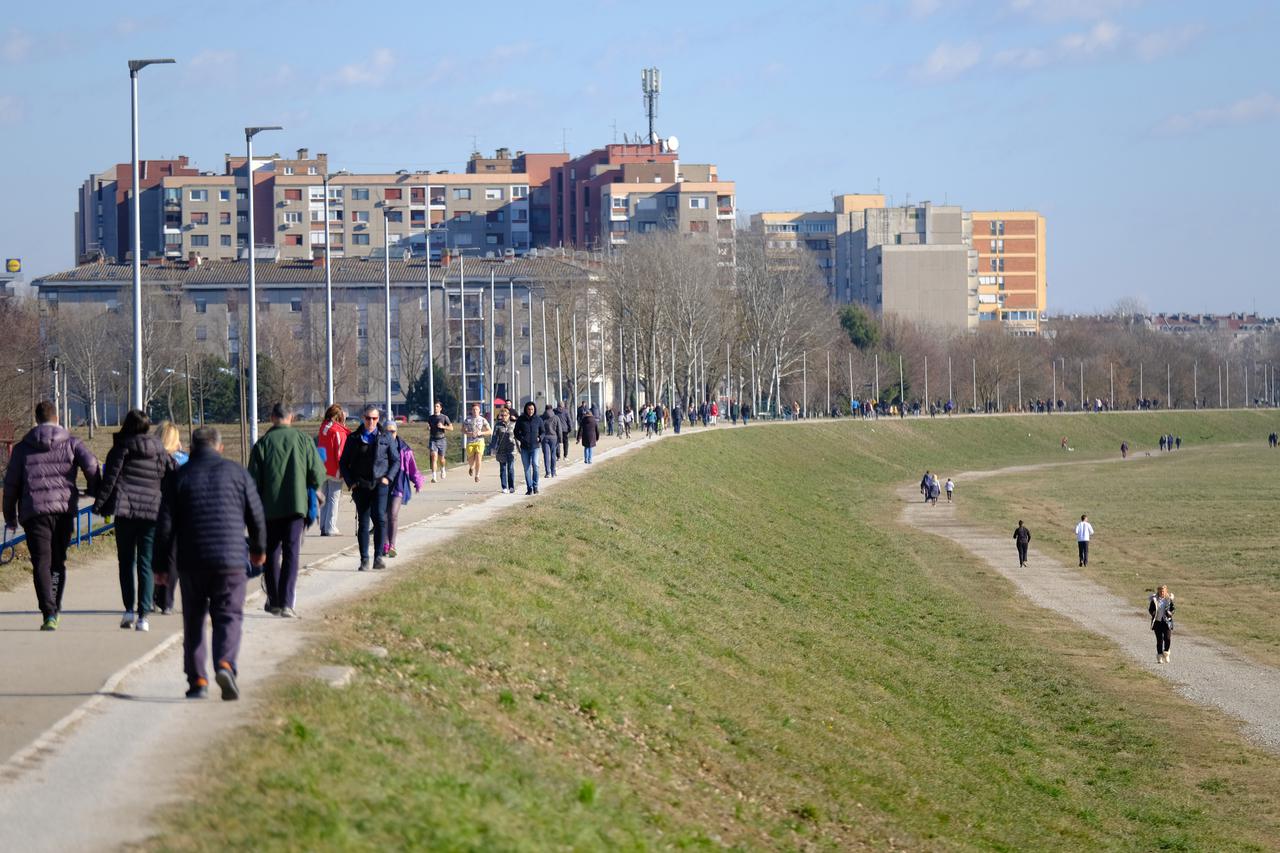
(206,524)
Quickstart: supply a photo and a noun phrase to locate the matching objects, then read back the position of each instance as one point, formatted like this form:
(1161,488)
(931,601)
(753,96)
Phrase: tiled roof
(345,271)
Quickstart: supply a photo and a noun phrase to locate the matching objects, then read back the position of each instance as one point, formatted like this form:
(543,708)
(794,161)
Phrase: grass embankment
(728,639)
(1201,520)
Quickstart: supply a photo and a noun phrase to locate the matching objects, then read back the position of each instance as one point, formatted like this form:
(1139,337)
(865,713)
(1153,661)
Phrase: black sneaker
(226,679)
(199,690)
(364,565)
(379,563)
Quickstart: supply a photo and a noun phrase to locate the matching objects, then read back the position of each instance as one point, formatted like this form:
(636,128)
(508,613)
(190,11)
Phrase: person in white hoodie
(1084,532)
(1160,606)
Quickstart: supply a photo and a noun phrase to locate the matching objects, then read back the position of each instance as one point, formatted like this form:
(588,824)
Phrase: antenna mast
(651,85)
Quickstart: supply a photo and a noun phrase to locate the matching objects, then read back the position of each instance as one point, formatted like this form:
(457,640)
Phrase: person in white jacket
(1084,532)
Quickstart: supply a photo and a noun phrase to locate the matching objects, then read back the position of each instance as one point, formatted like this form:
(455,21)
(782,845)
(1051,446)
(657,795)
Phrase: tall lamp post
(136,65)
(386,293)
(249,134)
(328,290)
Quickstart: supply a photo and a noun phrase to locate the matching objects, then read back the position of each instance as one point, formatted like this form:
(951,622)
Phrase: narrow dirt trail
(1204,671)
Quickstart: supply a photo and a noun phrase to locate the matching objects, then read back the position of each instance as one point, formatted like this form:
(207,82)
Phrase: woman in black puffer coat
(130,491)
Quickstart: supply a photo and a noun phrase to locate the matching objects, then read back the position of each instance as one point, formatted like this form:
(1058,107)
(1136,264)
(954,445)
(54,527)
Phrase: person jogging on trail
(474,429)
(284,464)
(1160,606)
(369,465)
(166,583)
(504,449)
(551,429)
(402,487)
(1084,532)
(1021,538)
(40,493)
(130,492)
(332,437)
(528,432)
(951,487)
(1124,450)
(588,436)
(436,442)
(208,505)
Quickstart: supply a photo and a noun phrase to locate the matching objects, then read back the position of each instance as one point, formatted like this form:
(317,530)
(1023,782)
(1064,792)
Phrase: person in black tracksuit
(369,464)
(1022,538)
(566,424)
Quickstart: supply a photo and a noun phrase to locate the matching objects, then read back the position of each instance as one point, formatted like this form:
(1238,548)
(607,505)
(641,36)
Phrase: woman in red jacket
(332,438)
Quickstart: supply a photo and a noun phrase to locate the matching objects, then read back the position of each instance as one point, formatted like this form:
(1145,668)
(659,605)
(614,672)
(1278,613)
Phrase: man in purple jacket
(40,492)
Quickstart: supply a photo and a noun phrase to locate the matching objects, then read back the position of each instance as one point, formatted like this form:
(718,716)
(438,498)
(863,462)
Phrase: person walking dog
(208,504)
(40,494)
(1084,532)
(1022,538)
(1160,606)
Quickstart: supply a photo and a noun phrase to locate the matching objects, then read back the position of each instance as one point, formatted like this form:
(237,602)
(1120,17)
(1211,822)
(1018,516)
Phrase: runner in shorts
(436,443)
(474,429)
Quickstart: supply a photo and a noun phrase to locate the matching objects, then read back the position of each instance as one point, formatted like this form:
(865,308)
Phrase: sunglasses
(370,417)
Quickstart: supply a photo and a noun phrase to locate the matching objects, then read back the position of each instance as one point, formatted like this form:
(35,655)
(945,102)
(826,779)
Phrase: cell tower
(651,85)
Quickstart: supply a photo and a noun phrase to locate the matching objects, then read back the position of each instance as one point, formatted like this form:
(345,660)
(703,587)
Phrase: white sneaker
(126,621)
(444,474)
(142,624)
(1166,657)
(1159,658)
(433,476)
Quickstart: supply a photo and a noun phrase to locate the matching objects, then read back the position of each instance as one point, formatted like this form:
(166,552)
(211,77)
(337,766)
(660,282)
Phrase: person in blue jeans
(503,443)
(529,431)
(369,464)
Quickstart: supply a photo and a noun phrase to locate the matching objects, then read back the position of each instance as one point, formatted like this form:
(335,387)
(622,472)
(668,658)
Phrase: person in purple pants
(400,491)
(208,506)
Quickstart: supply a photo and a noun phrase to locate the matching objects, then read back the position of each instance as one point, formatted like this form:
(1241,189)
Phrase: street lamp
(386,283)
(136,65)
(249,134)
(328,290)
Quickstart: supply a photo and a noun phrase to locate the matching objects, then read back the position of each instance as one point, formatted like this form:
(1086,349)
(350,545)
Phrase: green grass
(1201,520)
(728,640)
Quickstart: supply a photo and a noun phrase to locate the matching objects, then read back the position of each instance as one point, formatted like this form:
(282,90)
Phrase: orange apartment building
(1012,286)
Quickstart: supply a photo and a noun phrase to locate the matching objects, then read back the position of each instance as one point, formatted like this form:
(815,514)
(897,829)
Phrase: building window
(291,217)
(698,202)
(317,238)
(393,194)
(360,194)
(462,216)
(495,216)
(199,239)
(462,239)
(242,218)
(224,218)
(224,240)
(461,194)
(619,202)
(288,170)
(199,195)
(293,195)
(359,216)
(293,239)
(395,216)
(520,191)
(524,358)
(200,217)
(224,195)
(311,170)
(202,333)
(202,305)
(360,239)
(698,227)
(295,304)
(493,193)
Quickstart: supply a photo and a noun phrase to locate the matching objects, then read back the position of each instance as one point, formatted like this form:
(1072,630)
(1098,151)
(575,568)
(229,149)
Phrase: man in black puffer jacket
(208,504)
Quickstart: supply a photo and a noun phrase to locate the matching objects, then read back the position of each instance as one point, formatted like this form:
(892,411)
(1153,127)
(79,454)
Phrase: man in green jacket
(284,464)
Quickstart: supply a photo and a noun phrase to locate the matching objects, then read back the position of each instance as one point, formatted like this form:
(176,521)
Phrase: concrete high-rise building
(1012,285)
(599,199)
(102,218)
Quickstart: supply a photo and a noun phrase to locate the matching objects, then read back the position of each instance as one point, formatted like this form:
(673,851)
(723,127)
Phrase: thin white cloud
(1161,43)
(15,46)
(1256,109)
(948,61)
(12,109)
(372,72)
(1103,37)
(920,9)
(1062,10)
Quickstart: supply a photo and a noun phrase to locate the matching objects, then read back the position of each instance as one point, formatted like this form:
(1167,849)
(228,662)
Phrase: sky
(1146,132)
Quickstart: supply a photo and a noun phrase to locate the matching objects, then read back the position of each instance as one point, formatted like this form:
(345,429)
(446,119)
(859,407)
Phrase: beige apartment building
(1012,285)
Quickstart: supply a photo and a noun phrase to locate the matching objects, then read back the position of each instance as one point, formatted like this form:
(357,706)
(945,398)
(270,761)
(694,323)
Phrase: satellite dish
(653,138)
(673,144)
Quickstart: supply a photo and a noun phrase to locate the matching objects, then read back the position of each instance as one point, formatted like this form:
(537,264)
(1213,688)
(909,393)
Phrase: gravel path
(1202,670)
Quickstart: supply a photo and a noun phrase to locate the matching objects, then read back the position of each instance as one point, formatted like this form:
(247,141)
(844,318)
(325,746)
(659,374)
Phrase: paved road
(93,715)
(1202,670)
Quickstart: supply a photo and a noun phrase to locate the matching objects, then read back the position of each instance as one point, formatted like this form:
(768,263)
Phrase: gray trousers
(329,512)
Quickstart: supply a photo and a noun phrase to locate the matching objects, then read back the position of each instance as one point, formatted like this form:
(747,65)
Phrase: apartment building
(537,168)
(599,199)
(827,236)
(206,301)
(103,217)
(1012,286)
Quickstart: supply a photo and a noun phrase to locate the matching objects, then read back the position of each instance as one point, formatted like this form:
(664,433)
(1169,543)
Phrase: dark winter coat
(566,421)
(364,464)
(284,464)
(588,431)
(41,477)
(529,431)
(208,505)
(131,477)
(1021,535)
(552,427)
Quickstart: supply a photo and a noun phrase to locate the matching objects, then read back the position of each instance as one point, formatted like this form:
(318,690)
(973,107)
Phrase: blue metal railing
(84,533)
